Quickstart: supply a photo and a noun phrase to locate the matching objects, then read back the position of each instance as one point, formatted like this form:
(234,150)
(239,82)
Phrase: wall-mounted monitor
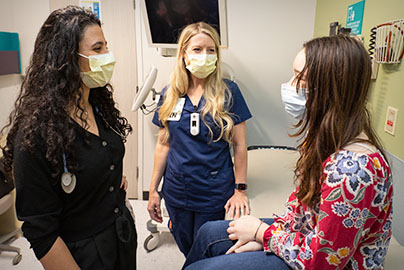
(164,19)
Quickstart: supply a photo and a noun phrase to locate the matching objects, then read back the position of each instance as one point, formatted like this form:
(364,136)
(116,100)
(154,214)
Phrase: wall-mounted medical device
(389,42)
(338,29)
(372,42)
(165,19)
(141,95)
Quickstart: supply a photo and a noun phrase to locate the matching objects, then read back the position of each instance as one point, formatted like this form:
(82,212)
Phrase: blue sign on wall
(93,6)
(354,17)
(96,9)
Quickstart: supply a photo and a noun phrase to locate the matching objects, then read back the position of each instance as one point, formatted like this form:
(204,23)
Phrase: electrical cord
(372,42)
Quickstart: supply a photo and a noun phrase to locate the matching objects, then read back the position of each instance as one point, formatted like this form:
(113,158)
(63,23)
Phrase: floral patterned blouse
(350,228)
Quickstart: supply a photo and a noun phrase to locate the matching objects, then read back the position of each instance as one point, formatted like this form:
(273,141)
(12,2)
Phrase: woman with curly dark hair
(65,147)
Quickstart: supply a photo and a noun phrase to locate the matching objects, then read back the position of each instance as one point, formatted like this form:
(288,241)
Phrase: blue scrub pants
(213,241)
(185,225)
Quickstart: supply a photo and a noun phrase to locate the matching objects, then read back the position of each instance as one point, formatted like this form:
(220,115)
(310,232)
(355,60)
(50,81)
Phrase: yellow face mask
(201,65)
(102,67)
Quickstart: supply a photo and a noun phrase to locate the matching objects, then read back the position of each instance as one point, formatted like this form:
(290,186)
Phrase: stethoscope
(68,179)
(109,126)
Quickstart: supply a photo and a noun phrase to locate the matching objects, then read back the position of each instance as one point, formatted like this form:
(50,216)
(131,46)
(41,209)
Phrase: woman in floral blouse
(340,214)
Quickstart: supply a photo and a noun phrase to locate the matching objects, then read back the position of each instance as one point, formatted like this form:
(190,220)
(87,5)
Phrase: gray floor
(165,256)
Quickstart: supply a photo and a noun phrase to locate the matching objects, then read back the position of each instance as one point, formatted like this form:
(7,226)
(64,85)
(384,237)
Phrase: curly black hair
(52,82)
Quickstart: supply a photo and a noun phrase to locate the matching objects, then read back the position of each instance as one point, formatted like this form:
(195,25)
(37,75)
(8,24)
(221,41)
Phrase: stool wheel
(17,259)
(151,242)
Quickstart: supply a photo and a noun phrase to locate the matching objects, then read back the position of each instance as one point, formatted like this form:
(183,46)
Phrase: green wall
(388,88)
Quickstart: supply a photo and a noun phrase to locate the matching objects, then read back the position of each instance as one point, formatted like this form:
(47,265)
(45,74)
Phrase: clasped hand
(244,231)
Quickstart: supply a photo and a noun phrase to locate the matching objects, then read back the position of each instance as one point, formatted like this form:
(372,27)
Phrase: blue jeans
(212,242)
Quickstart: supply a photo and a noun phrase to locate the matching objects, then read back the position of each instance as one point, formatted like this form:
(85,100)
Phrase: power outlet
(391,119)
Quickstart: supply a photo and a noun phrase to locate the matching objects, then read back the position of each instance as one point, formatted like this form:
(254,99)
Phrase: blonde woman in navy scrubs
(200,115)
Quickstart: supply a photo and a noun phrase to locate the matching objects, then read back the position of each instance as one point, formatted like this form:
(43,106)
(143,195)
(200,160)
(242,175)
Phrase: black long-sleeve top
(48,212)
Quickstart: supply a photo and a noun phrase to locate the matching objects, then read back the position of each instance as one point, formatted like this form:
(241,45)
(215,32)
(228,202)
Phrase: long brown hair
(337,74)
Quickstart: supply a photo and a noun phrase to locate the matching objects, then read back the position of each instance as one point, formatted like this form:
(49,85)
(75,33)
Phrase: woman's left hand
(238,205)
(243,230)
(124,183)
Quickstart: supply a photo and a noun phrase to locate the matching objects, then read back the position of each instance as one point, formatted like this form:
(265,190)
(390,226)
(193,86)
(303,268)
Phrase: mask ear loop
(82,55)
(68,180)
(87,57)
(185,60)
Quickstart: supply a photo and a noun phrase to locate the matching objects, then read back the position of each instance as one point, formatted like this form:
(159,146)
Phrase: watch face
(241,186)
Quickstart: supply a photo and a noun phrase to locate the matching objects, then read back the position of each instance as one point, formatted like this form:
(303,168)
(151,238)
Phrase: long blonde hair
(217,96)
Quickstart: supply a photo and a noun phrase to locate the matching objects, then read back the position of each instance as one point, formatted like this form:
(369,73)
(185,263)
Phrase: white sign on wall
(92,5)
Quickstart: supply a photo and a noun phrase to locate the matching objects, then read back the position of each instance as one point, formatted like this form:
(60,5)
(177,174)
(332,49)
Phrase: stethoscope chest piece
(68,182)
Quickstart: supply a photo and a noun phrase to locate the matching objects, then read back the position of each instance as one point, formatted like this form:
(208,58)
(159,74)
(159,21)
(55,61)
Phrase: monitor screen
(165,19)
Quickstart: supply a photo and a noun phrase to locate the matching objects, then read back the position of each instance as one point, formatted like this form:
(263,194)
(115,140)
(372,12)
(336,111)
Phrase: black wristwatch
(240,186)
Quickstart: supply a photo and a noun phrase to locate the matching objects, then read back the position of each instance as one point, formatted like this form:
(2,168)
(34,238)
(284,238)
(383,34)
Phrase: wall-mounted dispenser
(389,47)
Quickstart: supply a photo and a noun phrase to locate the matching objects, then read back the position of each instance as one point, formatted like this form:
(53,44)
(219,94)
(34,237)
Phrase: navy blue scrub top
(199,173)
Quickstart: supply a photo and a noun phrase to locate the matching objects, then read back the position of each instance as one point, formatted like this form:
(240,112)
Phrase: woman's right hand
(154,206)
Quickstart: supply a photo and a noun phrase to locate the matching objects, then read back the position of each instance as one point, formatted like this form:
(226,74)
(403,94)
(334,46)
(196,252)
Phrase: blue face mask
(295,101)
